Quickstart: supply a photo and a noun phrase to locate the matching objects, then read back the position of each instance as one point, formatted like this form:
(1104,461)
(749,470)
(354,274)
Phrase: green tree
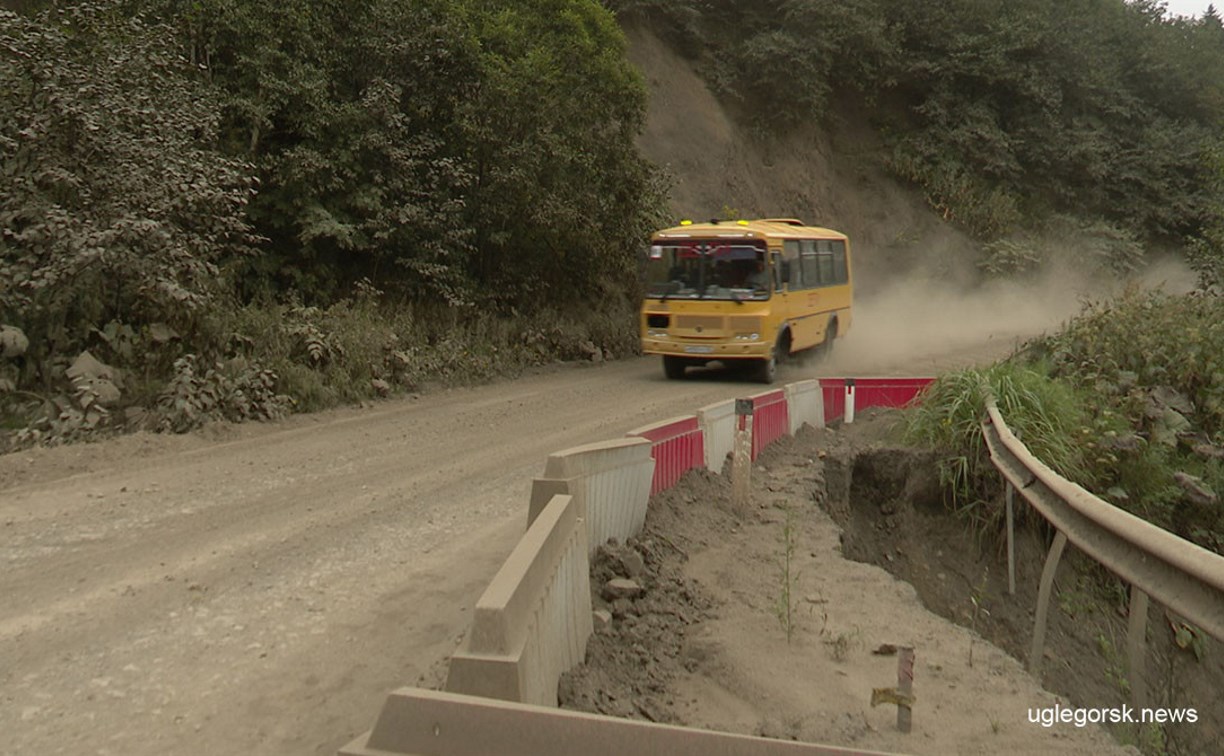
(115,205)
(349,110)
(455,152)
(561,201)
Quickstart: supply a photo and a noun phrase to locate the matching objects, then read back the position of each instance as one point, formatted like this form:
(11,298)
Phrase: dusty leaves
(13,341)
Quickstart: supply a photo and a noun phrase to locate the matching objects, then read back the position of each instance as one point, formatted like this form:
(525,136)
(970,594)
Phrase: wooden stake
(905,687)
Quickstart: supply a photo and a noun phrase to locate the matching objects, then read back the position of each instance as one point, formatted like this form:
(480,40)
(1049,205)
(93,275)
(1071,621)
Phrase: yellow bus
(753,292)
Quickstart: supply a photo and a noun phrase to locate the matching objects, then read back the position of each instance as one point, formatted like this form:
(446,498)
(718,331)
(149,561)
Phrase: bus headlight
(747,336)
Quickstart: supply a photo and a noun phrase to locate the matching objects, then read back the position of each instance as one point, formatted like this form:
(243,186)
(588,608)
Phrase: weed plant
(1048,415)
(788,577)
(1155,364)
(332,356)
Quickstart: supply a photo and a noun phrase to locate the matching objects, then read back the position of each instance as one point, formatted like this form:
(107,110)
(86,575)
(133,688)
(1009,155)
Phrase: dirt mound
(726,635)
(641,639)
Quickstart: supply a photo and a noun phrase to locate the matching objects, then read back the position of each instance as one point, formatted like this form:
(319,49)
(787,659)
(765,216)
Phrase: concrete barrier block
(433,723)
(609,480)
(717,423)
(533,621)
(598,457)
(805,403)
(542,492)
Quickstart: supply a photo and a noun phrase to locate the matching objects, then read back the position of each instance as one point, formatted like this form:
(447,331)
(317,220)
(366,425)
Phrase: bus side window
(807,263)
(840,274)
(825,262)
(791,273)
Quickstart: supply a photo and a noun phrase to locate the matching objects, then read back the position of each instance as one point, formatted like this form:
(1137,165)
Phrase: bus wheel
(673,367)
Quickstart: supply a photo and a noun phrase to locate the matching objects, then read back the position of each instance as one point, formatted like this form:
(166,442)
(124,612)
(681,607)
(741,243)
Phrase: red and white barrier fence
(677,446)
(770,420)
(683,443)
(843,397)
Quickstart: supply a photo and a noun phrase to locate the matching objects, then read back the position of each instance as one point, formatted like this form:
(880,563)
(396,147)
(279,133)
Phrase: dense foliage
(1127,400)
(115,206)
(174,168)
(177,172)
(1004,112)
(466,152)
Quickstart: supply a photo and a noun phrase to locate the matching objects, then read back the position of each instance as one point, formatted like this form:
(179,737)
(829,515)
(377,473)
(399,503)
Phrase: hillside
(229,211)
(832,176)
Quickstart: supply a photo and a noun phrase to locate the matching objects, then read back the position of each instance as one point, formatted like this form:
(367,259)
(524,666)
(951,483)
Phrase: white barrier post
(849,401)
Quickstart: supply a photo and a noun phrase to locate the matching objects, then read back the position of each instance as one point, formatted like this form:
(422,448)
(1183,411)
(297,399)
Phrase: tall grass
(1047,415)
(1127,401)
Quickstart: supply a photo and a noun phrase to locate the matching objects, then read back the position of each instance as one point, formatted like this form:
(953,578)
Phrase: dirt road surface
(260,589)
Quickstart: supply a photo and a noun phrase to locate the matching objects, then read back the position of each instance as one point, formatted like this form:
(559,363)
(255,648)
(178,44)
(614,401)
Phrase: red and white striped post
(741,460)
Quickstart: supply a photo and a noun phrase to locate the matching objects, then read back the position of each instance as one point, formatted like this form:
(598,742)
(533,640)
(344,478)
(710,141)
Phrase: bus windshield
(712,269)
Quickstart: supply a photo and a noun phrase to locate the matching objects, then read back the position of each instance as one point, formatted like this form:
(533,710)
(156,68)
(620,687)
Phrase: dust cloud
(938,324)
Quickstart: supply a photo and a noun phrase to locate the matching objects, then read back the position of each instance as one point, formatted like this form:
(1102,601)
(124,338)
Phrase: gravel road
(260,588)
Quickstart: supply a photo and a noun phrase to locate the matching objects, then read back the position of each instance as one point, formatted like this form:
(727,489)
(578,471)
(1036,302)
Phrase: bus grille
(743,324)
(704,322)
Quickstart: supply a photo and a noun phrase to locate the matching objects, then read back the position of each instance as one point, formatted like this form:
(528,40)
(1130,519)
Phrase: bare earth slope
(828,174)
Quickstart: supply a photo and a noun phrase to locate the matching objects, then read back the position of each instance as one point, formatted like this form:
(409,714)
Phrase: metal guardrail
(1186,578)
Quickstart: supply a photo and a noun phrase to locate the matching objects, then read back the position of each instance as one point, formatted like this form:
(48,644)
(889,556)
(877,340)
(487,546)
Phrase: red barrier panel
(770,419)
(833,391)
(869,392)
(887,392)
(677,446)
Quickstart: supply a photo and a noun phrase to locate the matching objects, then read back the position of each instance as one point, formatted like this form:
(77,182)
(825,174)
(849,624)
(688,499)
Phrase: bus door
(802,295)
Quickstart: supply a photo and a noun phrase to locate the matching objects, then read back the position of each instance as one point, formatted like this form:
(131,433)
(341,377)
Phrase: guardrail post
(1043,603)
(1136,645)
(1011,539)
(1184,577)
(848,417)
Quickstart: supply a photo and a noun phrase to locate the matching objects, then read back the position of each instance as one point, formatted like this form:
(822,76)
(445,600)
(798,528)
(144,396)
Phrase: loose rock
(621,588)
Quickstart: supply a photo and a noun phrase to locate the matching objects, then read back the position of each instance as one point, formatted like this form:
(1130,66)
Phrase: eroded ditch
(661,646)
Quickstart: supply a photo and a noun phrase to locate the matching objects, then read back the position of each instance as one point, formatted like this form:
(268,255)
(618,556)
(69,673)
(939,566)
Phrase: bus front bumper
(734,350)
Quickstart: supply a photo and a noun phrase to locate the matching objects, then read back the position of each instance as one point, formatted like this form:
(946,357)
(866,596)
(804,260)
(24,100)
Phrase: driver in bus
(759,277)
